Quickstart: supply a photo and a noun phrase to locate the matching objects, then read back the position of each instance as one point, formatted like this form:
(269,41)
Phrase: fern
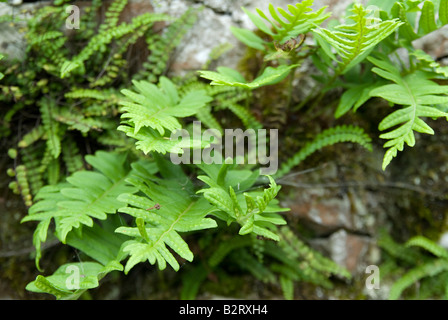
(102,39)
(354,42)
(230,77)
(159,228)
(428,245)
(56,284)
(416,26)
(429,269)
(418,94)
(251,210)
(86,195)
(423,267)
(162,46)
(154,110)
(283,24)
(326,138)
(51,127)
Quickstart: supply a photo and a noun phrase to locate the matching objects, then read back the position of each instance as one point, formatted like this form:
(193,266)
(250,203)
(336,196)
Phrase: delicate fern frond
(226,247)
(61,284)
(162,46)
(104,38)
(416,26)
(47,109)
(418,94)
(345,133)
(230,77)
(87,195)
(287,24)
(428,245)
(159,228)
(72,158)
(398,251)
(297,249)
(354,42)
(154,110)
(254,212)
(426,62)
(112,15)
(428,269)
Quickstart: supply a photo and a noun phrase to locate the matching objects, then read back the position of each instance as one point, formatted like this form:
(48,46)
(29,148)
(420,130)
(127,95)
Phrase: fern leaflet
(326,138)
(158,229)
(418,94)
(353,42)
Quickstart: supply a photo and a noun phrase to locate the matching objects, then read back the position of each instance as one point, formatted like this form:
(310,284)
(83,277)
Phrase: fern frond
(112,15)
(297,249)
(24,187)
(428,269)
(418,94)
(88,194)
(397,250)
(287,24)
(248,262)
(230,77)
(47,109)
(354,42)
(428,245)
(255,212)
(59,284)
(31,137)
(162,46)
(427,62)
(226,247)
(71,155)
(344,133)
(104,38)
(416,26)
(154,110)
(159,228)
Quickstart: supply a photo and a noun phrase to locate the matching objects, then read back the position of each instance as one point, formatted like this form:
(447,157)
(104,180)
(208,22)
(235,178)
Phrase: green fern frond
(416,26)
(344,133)
(428,269)
(296,249)
(34,135)
(418,94)
(99,42)
(154,110)
(230,77)
(354,42)
(162,46)
(71,156)
(24,187)
(159,228)
(287,24)
(428,245)
(113,14)
(248,262)
(426,62)
(255,212)
(87,195)
(51,127)
(399,251)
(59,283)
(226,247)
